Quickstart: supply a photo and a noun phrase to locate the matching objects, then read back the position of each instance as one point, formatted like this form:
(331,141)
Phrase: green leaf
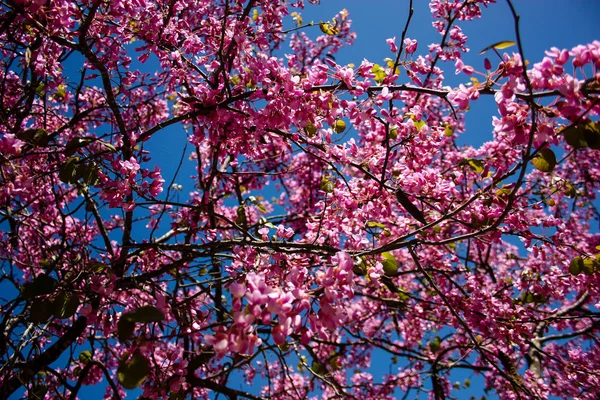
(390,265)
(576,266)
(475,164)
(74,144)
(131,374)
(545,160)
(589,266)
(448,131)
(328,29)
(109,146)
(435,344)
(334,362)
(419,124)
(144,314)
(504,191)
(318,367)
(379,72)
(499,46)
(68,171)
(339,126)
(181,394)
(41,285)
(326,185)
(40,310)
(360,268)
(241,216)
(373,224)
(65,305)
(85,357)
(37,391)
(583,135)
(125,329)
(38,137)
(254,201)
(96,266)
(88,173)
(592,135)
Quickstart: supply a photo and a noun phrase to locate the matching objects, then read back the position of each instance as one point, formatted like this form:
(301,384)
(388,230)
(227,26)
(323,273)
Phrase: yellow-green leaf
(85,357)
(499,46)
(475,164)
(390,265)
(60,92)
(589,266)
(65,305)
(379,73)
(583,135)
(576,266)
(40,310)
(435,344)
(326,185)
(328,28)
(131,374)
(339,126)
(419,124)
(125,329)
(448,131)
(569,190)
(144,314)
(310,129)
(545,160)
(74,144)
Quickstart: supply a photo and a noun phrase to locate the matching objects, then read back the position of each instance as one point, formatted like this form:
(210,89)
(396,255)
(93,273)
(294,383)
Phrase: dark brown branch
(31,368)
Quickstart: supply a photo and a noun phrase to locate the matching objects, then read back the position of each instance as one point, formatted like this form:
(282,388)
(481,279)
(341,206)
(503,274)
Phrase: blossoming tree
(332,220)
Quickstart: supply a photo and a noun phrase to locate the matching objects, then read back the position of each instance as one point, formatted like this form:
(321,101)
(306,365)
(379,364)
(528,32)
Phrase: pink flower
(411,45)
(9,144)
(462,95)
(237,291)
(461,67)
(218,341)
(264,232)
(392,43)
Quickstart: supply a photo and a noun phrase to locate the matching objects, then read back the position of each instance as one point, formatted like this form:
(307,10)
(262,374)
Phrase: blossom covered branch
(320,221)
